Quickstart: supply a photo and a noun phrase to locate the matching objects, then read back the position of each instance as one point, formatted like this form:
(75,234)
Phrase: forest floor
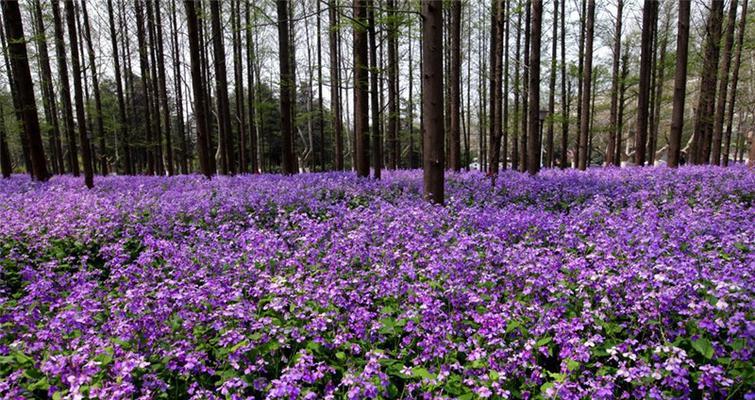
(611,283)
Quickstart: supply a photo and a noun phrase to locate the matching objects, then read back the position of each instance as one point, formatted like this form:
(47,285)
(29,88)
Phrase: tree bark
(534,137)
(659,81)
(377,141)
(523,135)
(549,158)
(580,81)
(723,85)
(286,80)
(703,124)
(78,94)
(565,96)
(584,123)
(65,91)
(649,16)
(734,82)
(122,134)
(680,84)
(162,80)
(335,85)
(432,101)
(96,89)
(361,106)
(614,116)
(455,89)
(198,88)
(496,92)
(6,166)
(394,147)
(221,81)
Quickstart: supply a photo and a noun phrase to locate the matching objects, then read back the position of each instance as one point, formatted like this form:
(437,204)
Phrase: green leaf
(704,347)
(494,375)
(57,396)
(341,355)
(544,341)
(419,372)
(572,365)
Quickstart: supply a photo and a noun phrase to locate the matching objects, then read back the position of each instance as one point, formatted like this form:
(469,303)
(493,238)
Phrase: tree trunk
(162,80)
(584,122)
(734,82)
(523,138)
(496,92)
(534,135)
(65,91)
(122,123)
(146,80)
(614,117)
(78,94)
(238,77)
(432,100)
(622,104)
(96,89)
(703,125)
(335,84)
(649,16)
(549,158)
(659,81)
(394,147)
(455,89)
(320,110)
(723,85)
(24,89)
(157,136)
(286,80)
(580,81)
(183,161)
(377,141)
(221,81)
(680,84)
(565,96)
(6,167)
(196,81)
(515,161)
(361,106)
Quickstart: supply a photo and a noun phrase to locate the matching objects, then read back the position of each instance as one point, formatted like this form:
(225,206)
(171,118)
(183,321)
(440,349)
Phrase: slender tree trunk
(238,77)
(659,81)
(549,157)
(199,93)
(122,134)
(523,135)
(584,123)
(17,108)
(361,106)
(253,138)
(25,89)
(162,80)
(734,82)
(320,110)
(221,80)
(505,94)
(146,83)
(703,124)
(377,141)
(432,100)
(412,163)
(335,85)
(649,16)
(394,149)
(534,137)
(565,96)
(622,104)
(680,84)
(455,89)
(65,91)
(183,161)
(515,161)
(96,89)
(78,95)
(614,117)
(157,135)
(580,81)
(287,80)
(496,76)
(723,85)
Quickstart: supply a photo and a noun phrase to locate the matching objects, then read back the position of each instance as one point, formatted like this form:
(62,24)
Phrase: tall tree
(238,77)
(614,116)
(680,84)
(48,92)
(320,110)
(505,94)
(196,80)
(96,89)
(377,141)
(580,80)
(496,91)
(122,122)
(286,83)
(649,16)
(6,167)
(523,135)
(432,100)
(455,89)
(86,155)
(565,96)
(723,85)
(335,84)
(533,137)
(221,81)
(549,157)
(146,80)
(660,76)
(703,123)
(253,137)
(21,74)
(162,81)
(734,82)
(584,122)
(394,147)
(65,91)
(361,106)
(183,162)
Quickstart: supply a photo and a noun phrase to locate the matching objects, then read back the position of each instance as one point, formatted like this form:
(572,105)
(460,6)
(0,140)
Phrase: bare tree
(432,100)
(734,82)
(533,137)
(614,117)
(199,94)
(680,84)
(584,123)
(649,16)
(361,94)
(286,82)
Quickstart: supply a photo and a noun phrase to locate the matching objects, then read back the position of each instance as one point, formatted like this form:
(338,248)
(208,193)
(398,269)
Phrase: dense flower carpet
(614,283)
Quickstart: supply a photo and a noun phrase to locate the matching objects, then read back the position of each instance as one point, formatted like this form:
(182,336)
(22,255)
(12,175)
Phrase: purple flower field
(615,283)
